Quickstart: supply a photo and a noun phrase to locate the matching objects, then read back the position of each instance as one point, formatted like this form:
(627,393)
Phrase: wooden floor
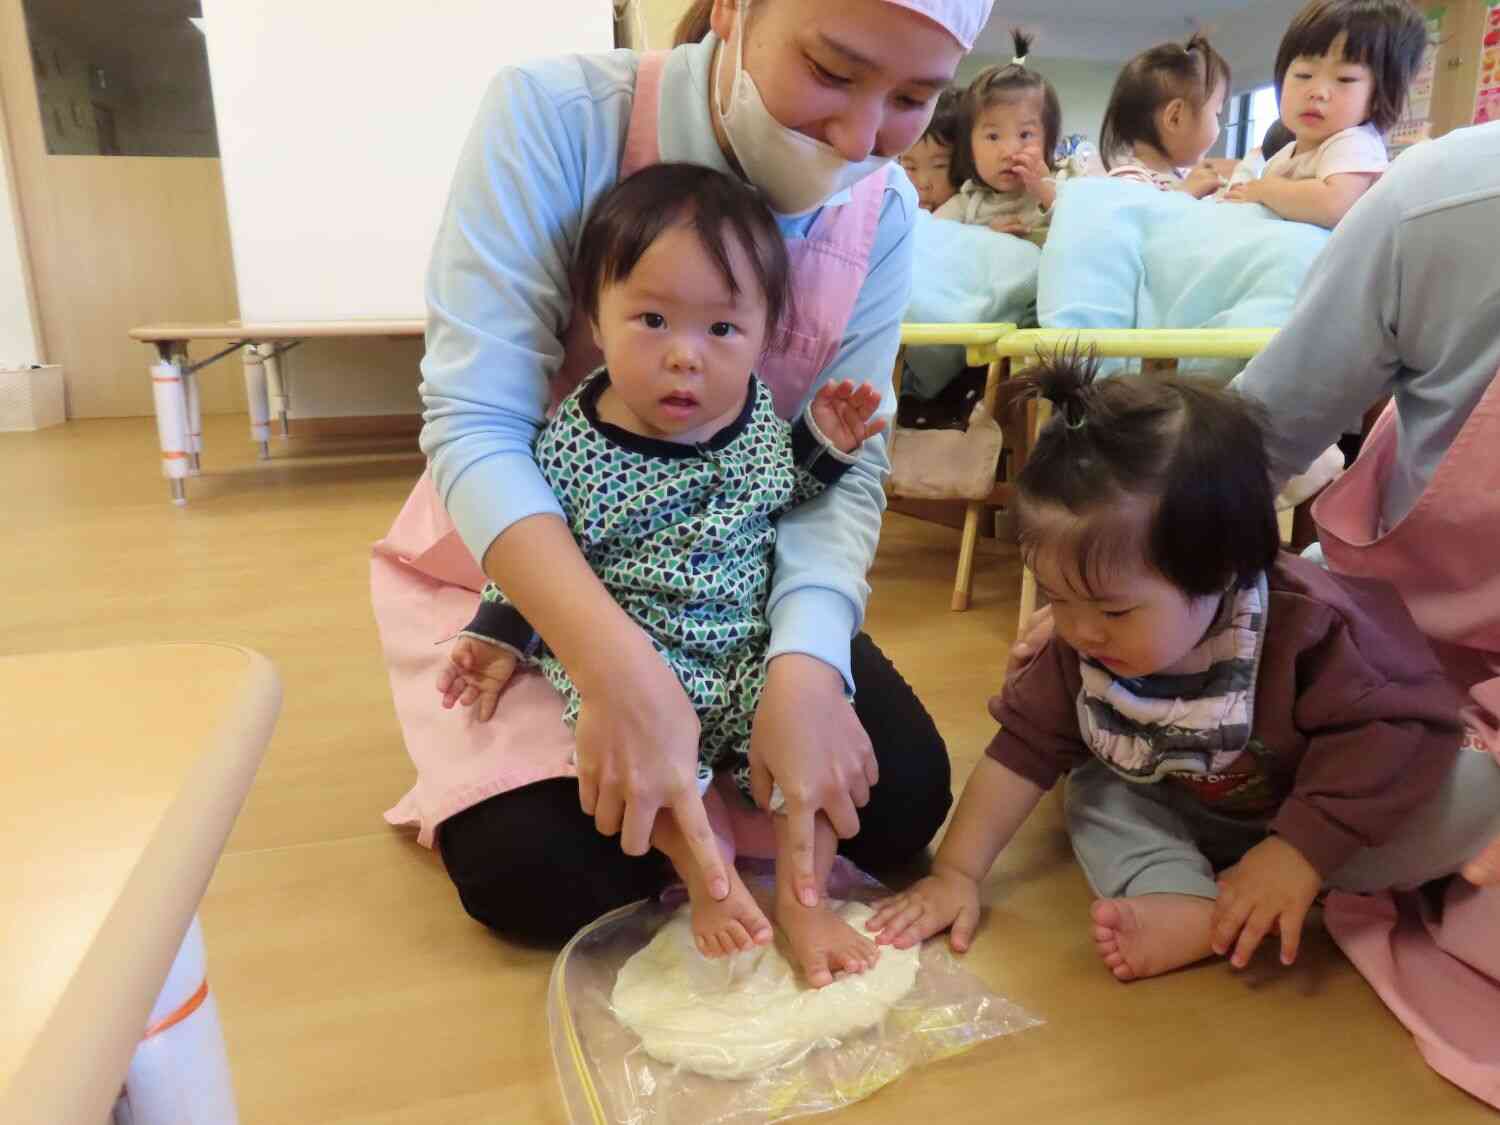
(353,988)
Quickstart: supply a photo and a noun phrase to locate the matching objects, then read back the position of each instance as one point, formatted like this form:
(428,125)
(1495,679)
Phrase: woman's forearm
(539,566)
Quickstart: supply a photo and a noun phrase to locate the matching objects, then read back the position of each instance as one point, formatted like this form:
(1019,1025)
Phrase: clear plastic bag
(607,1077)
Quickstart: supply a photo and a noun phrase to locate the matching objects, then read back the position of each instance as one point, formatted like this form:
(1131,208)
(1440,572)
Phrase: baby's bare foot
(728,925)
(1149,935)
(822,943)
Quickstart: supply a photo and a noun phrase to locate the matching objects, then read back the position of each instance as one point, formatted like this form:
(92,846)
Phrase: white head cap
(962,19)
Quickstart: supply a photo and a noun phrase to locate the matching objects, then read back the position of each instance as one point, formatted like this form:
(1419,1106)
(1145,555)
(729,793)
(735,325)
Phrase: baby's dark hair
(943,128)
(640,208)
(996,84)
(1194,454)
(1277,137)
(1191,71)
(1388,36)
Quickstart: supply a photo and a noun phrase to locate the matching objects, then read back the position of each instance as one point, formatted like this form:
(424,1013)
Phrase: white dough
(735,1016)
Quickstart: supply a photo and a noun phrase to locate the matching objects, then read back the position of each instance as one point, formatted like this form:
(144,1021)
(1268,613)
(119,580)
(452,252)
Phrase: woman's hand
(843,413)
(808,740)
(1271,888)
(637,755)
(637,732)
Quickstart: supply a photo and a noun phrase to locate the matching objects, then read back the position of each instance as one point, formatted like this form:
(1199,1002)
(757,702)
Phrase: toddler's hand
(1272,887)
(1029,167)
(943,899)
(843,413)
(1010,226)
(1202,181)
(476,672)
(1247,192)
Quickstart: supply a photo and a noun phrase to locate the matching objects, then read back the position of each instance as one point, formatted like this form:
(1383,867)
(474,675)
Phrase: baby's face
(1004,131)
(1325,94)
(929,164)
(678,344)
(1135,622)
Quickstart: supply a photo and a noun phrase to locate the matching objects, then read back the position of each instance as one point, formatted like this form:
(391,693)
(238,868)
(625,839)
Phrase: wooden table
(179,417)
(122,771)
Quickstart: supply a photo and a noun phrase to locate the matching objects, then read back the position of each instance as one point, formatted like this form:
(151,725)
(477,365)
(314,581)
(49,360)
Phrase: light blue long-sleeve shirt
(546,145)
(1404,300)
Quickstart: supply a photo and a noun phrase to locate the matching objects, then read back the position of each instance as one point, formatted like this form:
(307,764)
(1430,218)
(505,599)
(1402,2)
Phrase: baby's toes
(734,936)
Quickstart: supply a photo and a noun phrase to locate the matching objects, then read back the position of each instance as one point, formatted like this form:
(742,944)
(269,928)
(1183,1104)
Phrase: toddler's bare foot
(822,943)
(1148,935)
(728,925)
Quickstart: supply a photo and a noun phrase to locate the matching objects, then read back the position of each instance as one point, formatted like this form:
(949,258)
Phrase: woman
(812,99)
(1405,301)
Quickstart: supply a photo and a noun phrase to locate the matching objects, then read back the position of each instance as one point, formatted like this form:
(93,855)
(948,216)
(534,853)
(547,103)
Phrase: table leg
(190,392)
(275,388)
(170,401)
(259,399)
(180,1071)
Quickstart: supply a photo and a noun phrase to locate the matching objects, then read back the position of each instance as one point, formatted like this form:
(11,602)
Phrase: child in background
(930,162)
(1163,117)
(1010,120)
(1220,705)
(672,468)
(1342,74)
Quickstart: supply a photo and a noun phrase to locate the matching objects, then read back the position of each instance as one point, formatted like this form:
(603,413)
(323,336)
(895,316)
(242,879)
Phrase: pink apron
(424,581)
(1437,969)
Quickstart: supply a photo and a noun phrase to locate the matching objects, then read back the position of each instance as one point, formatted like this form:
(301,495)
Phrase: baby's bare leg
(822,943)
(722,926)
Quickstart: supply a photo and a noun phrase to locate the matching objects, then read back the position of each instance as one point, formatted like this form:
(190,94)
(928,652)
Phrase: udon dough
(735,1016)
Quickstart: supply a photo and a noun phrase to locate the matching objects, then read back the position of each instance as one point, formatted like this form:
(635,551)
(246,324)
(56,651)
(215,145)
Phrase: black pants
(531,865)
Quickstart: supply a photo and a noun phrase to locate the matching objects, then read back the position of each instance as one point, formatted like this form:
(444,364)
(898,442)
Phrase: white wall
(18,343)
(657,19)
(340,122)
(1249,38)
(1083,87)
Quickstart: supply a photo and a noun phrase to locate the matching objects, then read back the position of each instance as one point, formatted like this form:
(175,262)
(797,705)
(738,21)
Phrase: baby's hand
(1010,226)
(943,899)
(1271,888)
(843,413)
(1202,181)
(1247,192)
(476,672)
(1029,167)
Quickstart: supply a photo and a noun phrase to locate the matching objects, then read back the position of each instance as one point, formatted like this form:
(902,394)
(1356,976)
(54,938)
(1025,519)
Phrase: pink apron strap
(643,140)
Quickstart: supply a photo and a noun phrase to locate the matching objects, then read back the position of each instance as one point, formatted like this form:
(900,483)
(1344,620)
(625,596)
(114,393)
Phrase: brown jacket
(1354,727)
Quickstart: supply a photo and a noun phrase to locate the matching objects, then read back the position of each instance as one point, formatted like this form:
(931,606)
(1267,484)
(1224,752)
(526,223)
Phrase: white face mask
(794,172)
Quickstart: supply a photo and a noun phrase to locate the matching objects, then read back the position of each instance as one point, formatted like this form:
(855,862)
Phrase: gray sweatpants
(1136,839)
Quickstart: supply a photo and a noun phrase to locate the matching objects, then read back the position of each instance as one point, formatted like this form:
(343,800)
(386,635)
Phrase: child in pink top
(1163,117)
(1342,75)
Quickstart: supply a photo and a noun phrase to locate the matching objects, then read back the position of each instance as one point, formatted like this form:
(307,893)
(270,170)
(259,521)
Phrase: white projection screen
(340,122)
